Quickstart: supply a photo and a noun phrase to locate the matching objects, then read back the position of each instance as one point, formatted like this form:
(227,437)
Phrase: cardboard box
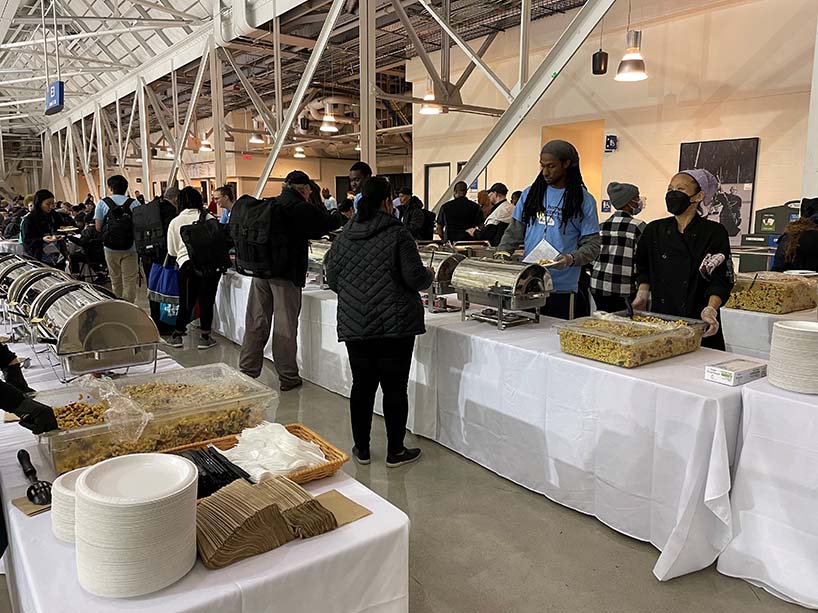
(737,371)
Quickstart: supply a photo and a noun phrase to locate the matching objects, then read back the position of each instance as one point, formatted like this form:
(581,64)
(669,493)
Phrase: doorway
(437,178)
(589,139)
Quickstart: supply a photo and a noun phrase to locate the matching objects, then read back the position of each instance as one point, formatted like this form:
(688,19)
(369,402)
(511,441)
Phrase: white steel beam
(100,148)
(367,38)
(86,35)
(809,188)
(217,109)
(303,85)
(461,42)
(69,19)
(559,55)
(277,76)
(164,9)
(160,109)
(145,143)
(525,47)
(72,163)
(86,170)
(191,109)
(440,88)
(446,45)
(267,117)
(469,69)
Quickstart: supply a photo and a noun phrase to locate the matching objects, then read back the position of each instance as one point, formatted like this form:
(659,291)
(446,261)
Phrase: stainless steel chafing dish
(30,284)
(12,268)
(315,265)
(509,288)
(475,249)
(90,331)
(443,262)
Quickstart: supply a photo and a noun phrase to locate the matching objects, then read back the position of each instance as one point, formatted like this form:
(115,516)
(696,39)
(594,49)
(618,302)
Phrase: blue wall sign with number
(54,97)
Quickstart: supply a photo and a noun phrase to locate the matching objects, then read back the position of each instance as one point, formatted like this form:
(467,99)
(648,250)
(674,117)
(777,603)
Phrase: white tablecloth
(775,495)
(361,567)
(750,333)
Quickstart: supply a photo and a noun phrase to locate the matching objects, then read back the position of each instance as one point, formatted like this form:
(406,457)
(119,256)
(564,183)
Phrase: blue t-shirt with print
(356,201)
(102,210)
(548,224)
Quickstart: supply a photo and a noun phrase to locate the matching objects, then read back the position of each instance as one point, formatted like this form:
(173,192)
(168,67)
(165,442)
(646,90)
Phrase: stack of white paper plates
(62,505)
(793,362)
(801,273)
(135,524)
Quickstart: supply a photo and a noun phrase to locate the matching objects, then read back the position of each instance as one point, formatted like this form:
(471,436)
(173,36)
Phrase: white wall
(717,69)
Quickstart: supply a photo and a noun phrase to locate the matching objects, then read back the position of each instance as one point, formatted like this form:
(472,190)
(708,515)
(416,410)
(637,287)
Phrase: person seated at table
(39,230)
(798,245)
(12,227)
(559,209)
(375,269)
(683,261)
(86,250)
(612,278)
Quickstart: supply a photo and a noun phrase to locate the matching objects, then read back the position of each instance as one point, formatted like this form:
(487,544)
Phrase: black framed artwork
(734,164)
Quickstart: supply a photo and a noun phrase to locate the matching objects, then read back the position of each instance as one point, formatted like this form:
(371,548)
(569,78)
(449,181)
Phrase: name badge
(541,219)
(550,221)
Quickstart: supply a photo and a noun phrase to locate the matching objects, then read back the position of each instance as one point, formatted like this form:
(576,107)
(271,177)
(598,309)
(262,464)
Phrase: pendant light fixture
(426,108)
(632,66)
(299,153)
(255,137)
(328,121)
(204,144)
(358,144)
(599,63)
(430,90)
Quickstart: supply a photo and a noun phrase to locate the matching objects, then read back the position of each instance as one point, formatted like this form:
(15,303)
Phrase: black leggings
(193,288)
(383,362)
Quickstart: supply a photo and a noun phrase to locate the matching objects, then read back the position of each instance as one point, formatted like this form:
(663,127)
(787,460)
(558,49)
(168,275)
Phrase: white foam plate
(801,273)
(137,479)
(798,326)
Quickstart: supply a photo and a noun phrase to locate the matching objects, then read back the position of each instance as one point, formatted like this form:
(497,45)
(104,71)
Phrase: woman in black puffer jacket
(375,269)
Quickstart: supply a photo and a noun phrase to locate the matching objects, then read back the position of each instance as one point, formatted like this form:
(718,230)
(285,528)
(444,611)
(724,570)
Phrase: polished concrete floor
(481,544)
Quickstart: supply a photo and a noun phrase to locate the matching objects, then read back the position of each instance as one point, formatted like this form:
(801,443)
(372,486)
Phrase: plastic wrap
(183,406)
(773,292)
(620,341)
(126,419)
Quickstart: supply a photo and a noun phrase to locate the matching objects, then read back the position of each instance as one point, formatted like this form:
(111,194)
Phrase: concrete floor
(481,544)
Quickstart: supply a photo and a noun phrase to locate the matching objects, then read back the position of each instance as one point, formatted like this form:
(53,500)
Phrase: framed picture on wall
(734,163)
(480,182)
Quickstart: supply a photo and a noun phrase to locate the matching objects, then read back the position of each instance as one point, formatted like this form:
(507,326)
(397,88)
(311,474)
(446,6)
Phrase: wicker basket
(335,457)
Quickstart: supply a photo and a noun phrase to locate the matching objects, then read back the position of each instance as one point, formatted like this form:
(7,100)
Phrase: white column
(367,39)
(809,187)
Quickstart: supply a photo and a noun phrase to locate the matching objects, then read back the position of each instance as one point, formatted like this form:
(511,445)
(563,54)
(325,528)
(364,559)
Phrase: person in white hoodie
(192,287)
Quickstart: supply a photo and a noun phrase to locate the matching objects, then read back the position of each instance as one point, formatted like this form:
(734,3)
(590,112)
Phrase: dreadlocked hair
(572,199)
(793,234)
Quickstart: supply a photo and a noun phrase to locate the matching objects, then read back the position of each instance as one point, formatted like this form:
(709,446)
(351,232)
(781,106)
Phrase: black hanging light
(600,58)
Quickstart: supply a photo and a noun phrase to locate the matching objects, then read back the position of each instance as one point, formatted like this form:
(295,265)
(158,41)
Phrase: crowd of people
(678,265)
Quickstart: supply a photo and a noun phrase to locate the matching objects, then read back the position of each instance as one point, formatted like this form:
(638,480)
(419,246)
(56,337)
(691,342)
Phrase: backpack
(117,228)
(148,230)
(427,231)
(259,233)
(207,246)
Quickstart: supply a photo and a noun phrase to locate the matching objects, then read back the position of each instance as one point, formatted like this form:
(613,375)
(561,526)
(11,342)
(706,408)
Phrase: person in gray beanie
(612,278)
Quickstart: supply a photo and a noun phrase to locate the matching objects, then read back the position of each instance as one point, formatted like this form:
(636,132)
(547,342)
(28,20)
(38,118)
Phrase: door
(437,178)
(589,139)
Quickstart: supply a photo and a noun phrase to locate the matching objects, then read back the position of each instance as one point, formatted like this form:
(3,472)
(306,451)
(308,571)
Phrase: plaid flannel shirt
(614,273)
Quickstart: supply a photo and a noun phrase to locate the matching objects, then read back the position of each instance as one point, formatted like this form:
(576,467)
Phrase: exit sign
(54,97)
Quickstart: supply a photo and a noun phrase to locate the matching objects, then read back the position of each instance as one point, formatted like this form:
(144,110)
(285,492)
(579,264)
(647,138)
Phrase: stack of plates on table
(801,273)
(135,524)
(62,505)
(794,356)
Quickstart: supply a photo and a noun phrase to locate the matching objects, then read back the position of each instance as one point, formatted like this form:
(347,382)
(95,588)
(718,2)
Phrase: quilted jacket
(375,269)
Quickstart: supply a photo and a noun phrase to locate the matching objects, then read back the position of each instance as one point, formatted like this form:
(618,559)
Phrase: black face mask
(677,202)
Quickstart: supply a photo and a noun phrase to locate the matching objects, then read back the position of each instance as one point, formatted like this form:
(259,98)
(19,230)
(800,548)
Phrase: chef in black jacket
(683,262)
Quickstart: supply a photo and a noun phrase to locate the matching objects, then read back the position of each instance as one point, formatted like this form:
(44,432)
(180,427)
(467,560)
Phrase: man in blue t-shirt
(118,238)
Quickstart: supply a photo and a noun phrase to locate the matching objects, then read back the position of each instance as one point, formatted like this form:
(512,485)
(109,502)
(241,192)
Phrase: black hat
(405,191)
(297,177)
(499,188)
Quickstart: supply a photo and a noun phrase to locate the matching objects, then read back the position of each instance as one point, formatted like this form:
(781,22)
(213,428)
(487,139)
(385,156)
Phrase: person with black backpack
(290,222)
(150,223)
(113,217)
(198,282)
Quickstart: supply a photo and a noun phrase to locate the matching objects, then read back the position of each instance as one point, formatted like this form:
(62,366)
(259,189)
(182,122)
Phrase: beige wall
(717,70)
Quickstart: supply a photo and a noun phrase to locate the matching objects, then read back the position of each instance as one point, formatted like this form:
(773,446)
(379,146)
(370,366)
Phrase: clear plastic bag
(126,420)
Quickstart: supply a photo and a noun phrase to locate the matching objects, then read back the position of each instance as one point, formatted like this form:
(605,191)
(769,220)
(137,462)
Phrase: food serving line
(362,566)
(649,451)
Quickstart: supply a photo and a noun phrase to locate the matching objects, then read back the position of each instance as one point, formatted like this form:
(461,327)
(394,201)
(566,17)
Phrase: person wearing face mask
(559,209)
(612,277)
(683,262)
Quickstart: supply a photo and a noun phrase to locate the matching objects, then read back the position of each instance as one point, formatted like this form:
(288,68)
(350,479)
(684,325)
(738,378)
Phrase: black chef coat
(669,261)
(457,216)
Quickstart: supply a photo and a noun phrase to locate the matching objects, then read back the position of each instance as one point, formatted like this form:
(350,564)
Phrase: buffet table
(750,333)
(775,495)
